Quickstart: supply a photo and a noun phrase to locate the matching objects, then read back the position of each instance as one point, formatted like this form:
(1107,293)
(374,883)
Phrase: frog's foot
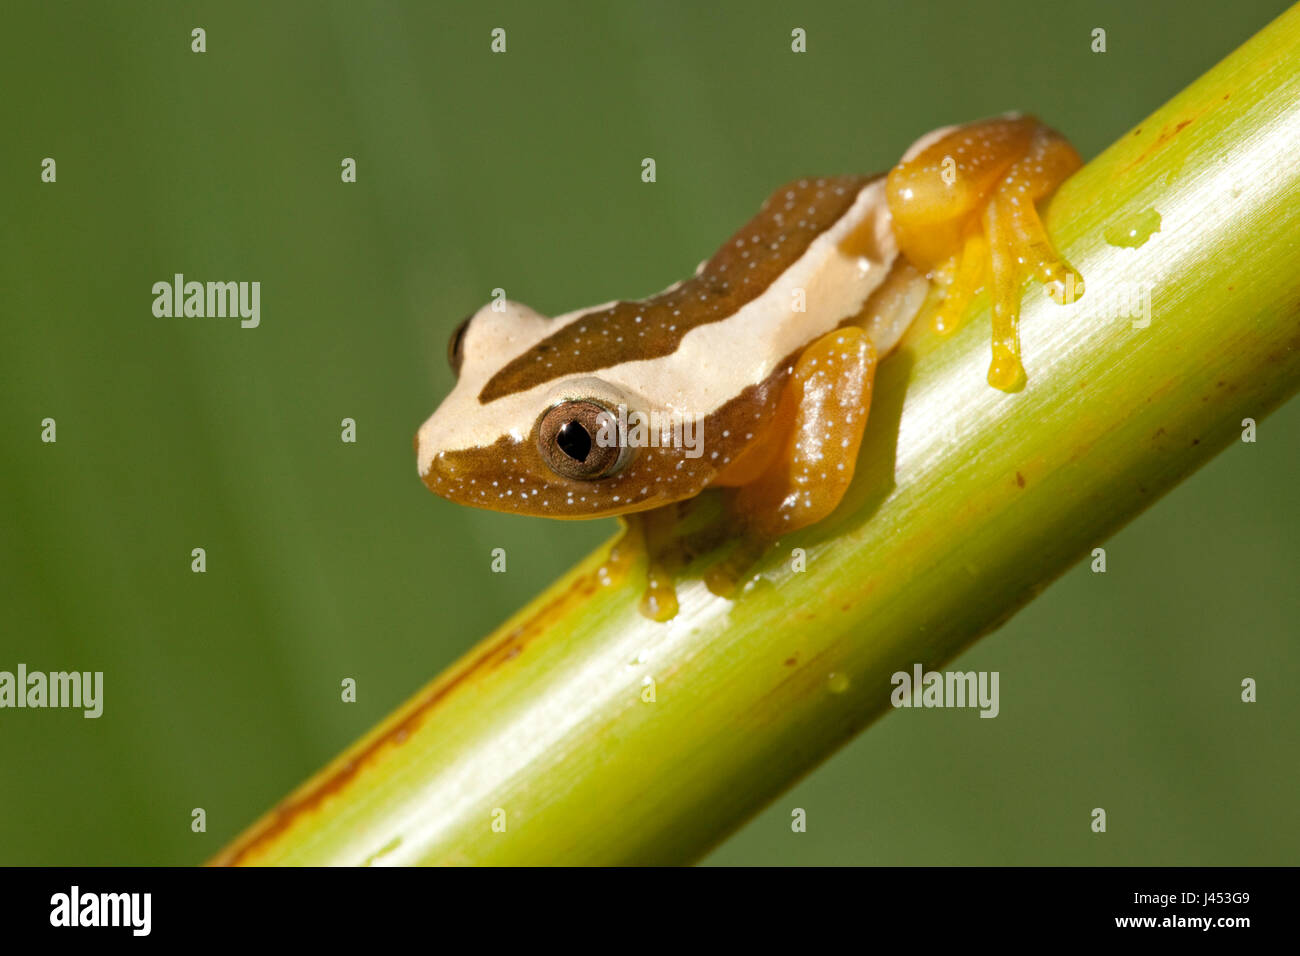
(1019,248)
(824,408)
(726,577)
(650,535)
(964,209)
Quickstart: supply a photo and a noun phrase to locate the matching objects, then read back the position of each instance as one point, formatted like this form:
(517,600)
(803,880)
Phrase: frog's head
(542,418)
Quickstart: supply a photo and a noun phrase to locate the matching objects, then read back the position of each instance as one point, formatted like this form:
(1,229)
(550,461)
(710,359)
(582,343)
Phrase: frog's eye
(456,345)
(580,439)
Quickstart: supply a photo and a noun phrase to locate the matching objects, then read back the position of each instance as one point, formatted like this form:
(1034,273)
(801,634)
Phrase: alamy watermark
(129,910)
(74,689)
(1115,300)
(219,300)
(923,688)
(1122,300)
(653,430)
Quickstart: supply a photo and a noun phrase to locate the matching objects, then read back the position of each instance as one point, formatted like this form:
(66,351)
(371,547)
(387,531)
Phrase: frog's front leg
(963,208)
(795,478)
(815,440)
(653,534)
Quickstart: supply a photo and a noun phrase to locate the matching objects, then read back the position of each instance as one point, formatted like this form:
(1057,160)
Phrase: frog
(754,375)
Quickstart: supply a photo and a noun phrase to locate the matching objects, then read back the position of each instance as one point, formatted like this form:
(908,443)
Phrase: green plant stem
(967,503)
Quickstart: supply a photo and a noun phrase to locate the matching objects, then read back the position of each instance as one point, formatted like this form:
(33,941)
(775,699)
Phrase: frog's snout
(440,476)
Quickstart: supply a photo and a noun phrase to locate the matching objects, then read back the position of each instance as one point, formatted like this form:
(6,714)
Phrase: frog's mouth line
(510,476)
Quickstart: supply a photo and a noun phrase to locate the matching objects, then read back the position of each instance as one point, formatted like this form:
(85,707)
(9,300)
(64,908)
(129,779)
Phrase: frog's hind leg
(963,210)
(825,403)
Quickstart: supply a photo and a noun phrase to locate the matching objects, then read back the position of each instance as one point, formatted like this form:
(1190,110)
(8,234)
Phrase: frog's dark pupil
(574,441)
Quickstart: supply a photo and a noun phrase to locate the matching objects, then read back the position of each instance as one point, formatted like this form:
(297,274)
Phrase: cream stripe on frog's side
(712,364)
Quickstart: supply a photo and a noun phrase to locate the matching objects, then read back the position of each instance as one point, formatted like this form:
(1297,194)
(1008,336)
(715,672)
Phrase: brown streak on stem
(339,774)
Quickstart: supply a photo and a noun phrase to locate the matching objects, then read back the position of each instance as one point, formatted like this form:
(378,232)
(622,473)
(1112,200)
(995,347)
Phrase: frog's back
(739,284)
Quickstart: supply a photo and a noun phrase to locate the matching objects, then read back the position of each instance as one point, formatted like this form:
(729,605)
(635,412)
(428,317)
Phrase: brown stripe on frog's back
(746,265)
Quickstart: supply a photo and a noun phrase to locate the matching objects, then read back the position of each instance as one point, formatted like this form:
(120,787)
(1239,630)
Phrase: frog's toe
(1018,250)
(1063,281)
(659,600)
(962,277)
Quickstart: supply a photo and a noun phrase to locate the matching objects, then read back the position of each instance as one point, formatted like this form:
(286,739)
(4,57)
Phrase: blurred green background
(328,560)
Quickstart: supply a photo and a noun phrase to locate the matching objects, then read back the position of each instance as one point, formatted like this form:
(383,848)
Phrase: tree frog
(754,374)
